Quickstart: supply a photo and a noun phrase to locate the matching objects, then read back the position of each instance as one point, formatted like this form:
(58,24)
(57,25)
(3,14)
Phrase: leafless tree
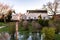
(53,7)
(25,24)
(36,26)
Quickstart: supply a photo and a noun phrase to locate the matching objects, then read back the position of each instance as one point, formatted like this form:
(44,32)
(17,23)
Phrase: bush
(57,37)
(49,33)
(43,22)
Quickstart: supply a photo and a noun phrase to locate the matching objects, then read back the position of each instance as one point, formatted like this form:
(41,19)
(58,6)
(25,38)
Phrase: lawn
(10,26)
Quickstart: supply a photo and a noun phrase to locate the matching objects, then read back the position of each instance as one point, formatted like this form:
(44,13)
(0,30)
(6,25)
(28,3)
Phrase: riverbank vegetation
(26,27)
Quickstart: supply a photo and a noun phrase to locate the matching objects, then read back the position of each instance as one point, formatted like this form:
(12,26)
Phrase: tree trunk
(54,16)
(4,19)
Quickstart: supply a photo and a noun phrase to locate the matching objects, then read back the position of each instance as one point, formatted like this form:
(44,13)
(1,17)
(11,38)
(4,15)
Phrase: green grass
(57,37)
(1,23)
(9,27)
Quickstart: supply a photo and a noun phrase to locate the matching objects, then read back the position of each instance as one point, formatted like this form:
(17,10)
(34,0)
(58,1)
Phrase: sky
(24,5)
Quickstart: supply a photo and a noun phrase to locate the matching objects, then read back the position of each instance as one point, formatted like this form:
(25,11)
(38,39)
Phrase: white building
(16,17)
(23,16)
(34,14)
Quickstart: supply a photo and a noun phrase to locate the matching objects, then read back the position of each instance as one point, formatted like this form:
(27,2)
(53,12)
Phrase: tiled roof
(37,11)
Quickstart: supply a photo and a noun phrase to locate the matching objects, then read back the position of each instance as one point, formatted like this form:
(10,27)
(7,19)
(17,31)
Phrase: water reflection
(24,36)
(5,36)
(35,36)
(29,36)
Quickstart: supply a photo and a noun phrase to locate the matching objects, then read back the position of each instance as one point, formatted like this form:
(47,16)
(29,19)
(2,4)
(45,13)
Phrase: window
(29,17)
(34,17)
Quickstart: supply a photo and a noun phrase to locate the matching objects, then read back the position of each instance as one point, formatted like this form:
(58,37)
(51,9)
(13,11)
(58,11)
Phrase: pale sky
(23,5)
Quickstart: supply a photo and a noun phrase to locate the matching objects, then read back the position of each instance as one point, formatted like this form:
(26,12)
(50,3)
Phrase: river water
(30,36)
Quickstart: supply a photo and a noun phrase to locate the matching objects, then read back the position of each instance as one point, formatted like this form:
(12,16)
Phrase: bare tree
(53,7)
(36,26)
(25,24)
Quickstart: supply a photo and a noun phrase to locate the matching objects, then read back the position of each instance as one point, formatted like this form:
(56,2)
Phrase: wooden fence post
(16,30)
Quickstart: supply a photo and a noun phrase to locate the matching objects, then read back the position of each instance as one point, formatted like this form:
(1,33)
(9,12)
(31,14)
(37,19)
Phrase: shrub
(57,37)
(43,22)
(49,33)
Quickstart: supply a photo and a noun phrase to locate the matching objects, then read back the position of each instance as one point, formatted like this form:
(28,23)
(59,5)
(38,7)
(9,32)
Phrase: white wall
(15,17)
(33,15)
